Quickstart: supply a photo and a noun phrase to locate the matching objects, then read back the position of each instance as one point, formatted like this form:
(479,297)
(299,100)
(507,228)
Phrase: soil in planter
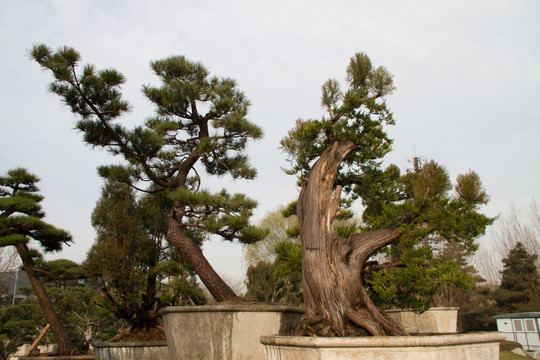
(152,334)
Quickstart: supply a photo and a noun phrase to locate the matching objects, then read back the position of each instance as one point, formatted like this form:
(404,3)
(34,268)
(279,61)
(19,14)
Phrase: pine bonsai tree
(200,121)
(21,221)
(520,284)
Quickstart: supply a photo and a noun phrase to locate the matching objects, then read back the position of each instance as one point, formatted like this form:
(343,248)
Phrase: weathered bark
(336,302)
(65,347)
(210,278)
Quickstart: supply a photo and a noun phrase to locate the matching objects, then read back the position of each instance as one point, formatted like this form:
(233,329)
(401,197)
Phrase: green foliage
(137,271)
(357,115)
(431,217)
(279,228)
(21,213)
(280,280)
(200,120)
(476,309)
(77,309)
(520,285)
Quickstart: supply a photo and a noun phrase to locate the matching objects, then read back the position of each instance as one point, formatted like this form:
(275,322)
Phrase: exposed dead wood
(336,302)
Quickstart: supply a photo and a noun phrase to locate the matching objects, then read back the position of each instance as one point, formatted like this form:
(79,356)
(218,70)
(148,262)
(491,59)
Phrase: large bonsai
(341,153)
(199,125)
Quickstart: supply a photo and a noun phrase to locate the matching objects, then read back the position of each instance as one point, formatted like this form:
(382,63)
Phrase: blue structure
(523,328)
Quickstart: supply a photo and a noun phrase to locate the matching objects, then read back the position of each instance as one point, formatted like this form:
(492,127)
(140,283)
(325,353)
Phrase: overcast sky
(467,75)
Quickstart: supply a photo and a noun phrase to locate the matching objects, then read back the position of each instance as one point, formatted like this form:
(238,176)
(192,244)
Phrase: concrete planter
(474,346)
(135,350)
(75,357)
(437,320)
(225,332)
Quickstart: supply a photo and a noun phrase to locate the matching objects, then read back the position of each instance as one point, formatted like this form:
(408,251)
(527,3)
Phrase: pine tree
(520,285)
(21,221)
(200,121)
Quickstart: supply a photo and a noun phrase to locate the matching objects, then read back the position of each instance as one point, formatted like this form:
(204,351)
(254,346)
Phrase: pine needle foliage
(21,213)
(199,124)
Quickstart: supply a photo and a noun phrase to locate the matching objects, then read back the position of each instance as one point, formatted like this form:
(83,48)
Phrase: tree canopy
(200,121)
(21,213)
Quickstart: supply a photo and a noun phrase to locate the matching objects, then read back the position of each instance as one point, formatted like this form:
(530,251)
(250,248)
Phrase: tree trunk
(336,301)
(65,347)
(210,278)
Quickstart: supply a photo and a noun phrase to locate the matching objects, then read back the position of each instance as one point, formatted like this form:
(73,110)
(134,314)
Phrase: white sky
(467,73)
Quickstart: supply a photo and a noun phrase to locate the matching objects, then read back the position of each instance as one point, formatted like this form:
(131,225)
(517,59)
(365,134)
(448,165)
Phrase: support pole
(36,342)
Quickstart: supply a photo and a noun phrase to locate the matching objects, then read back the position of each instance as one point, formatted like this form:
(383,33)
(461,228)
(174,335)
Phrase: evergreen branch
(55,277)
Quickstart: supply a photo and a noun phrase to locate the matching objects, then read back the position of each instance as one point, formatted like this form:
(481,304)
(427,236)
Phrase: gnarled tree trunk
(336,302)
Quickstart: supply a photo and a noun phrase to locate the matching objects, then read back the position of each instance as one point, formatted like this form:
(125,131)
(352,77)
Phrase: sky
(467,75)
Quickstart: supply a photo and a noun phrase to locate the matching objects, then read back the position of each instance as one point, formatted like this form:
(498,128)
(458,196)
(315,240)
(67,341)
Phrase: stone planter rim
(383,341)
(110,344)
(231,308)
(435,308)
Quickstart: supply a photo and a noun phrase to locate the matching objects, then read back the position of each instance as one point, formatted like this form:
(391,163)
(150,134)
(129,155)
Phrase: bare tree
(9,262)
(277,226)
(517,226)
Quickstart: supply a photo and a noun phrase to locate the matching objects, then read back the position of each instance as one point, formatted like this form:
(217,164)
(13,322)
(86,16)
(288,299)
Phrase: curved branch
(366,244)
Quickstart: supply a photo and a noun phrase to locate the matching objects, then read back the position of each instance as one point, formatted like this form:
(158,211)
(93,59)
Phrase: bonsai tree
(21,220)
(341,153)
(200,121)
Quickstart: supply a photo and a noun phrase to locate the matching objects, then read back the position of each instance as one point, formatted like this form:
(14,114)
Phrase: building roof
(534,314)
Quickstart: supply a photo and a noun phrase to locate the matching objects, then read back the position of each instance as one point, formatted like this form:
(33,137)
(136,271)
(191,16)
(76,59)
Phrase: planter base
(140,350)
(437,320)
(473,346)
(225,332)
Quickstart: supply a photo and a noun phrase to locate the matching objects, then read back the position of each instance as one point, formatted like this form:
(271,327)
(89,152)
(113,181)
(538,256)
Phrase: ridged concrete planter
(135,350)
(437,320)
(225,332)
(473,346)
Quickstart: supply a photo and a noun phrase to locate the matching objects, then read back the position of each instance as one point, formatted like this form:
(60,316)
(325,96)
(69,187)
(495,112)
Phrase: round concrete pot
(139,350)
(225,332)
(437,320)
(473,346)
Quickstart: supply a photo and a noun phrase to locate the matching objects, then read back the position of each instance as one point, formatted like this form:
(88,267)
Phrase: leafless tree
(517,226)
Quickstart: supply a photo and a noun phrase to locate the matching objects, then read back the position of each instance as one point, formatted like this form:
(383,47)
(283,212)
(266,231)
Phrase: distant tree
(279,281)
(130,259)
(476,309)
(519,225)
(9,264)
(279,230)
(200,121)
(21,221)
(520,285)
(261,282)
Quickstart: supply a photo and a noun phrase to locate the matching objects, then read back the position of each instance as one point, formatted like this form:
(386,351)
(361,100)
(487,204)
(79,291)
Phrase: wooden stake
(36,342)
